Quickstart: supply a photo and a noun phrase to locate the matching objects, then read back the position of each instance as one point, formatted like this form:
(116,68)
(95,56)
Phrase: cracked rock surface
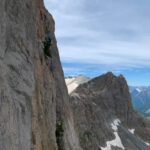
(33,94)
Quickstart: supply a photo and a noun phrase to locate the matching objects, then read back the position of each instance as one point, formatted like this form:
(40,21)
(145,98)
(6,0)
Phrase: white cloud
(105,33)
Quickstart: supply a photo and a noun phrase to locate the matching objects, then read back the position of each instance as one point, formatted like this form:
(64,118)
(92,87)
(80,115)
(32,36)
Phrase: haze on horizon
(99,36)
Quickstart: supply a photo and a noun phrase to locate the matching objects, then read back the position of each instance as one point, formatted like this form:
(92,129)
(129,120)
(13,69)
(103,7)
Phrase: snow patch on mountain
(115,124)
(72,87)
(138,90)
(73,82)
(131,131)
(148,111)
(117,141)
(147,143)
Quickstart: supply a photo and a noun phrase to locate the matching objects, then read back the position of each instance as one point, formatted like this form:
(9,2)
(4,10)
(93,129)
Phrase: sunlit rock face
(104,115)
(73,82)
(34,103)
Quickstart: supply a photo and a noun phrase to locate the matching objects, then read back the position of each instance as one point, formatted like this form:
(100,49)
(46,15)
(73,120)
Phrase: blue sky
(104,35)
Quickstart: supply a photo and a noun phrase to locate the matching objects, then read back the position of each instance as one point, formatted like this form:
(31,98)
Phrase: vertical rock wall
(34,103)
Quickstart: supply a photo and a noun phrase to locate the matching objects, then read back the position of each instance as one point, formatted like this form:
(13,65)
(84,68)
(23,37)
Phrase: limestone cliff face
(34,103)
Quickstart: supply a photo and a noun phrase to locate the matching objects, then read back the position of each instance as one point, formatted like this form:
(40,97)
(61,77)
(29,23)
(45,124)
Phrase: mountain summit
(105,117)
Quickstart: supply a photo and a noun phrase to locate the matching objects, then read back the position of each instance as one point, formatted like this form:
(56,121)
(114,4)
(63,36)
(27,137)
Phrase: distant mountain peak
(141,99)
(139,90)
(101,102)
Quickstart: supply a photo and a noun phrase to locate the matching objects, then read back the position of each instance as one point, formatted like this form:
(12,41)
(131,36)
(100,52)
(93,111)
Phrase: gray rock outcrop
(104,115)
(34,103)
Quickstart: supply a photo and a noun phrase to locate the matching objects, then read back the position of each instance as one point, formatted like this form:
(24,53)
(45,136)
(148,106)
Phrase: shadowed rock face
(33,96)
(97,104)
